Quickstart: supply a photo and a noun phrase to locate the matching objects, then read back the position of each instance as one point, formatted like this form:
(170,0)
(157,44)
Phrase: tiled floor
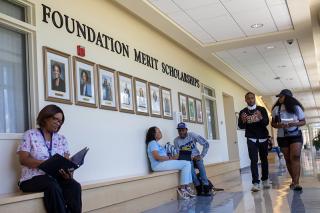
(279,199)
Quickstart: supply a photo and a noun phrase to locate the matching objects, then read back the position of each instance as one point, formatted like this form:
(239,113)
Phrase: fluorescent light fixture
(270,47)
(256,26)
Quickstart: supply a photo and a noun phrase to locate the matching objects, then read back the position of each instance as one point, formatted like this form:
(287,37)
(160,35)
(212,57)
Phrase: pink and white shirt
(34,143)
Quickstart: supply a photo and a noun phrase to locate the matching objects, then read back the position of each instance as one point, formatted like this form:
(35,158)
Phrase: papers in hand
(78,158)
(57,162)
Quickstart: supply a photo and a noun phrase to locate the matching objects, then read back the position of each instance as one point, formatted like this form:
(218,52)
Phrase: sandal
(291,186)
(297,187)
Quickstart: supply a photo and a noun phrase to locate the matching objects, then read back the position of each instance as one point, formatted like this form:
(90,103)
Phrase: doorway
(231,128)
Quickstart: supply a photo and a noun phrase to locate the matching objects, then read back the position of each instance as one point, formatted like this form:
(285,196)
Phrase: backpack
(210,183)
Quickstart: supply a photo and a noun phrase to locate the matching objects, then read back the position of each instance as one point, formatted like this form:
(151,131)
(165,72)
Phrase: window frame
(215,111)
(29,30)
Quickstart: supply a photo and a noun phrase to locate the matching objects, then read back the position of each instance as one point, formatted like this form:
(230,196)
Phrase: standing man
(254,119)
(188,141)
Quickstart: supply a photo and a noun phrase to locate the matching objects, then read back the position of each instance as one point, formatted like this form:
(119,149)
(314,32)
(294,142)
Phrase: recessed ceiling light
(256,25)
(277,78)
(270,47)
(282,66)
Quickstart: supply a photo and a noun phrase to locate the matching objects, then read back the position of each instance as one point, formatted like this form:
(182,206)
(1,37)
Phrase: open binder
(57,162)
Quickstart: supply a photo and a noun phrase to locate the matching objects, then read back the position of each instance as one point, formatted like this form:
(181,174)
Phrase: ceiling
(218,20)
(263,45)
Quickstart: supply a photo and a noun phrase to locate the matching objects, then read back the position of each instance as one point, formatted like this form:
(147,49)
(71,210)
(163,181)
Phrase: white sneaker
(190,191)
(183,194)
(255,187)
(266,184)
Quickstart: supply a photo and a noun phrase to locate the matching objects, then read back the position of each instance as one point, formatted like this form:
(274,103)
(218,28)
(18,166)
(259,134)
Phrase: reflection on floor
(238,197)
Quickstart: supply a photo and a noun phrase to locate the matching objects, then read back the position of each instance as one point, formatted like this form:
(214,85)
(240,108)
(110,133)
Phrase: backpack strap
(279,109)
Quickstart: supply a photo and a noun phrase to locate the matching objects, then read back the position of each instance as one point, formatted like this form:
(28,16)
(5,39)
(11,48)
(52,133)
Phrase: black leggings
(60,196)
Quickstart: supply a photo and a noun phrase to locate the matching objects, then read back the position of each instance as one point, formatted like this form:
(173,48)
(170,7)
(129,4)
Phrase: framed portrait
(155,100)
(141,96)
(125,93)
(107,88)
(199,112)
(183,106)
(166,103)
(85,82)
(192,109)
(57,76)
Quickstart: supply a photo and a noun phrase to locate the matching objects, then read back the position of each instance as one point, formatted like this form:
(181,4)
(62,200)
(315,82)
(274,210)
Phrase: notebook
(57,162)
(185,155)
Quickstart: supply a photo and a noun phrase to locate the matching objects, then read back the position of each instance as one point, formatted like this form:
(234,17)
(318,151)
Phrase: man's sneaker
(266,184)
(183,194)
(190,191)
(255,187)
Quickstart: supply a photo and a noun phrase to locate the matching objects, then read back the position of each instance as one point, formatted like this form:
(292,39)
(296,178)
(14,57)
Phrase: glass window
(209,92)
(210,113)
(306,137)
(11,9)
(13,82)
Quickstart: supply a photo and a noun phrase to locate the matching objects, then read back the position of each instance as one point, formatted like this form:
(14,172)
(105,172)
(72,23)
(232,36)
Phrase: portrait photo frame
(107,87)
(141,96)
(166,98)
(85,82)
(155,100)
(183,106)
(192,109)
(57,76)
(125,93)
(199,111)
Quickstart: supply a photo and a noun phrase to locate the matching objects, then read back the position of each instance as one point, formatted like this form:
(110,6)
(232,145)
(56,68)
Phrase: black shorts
(287,141)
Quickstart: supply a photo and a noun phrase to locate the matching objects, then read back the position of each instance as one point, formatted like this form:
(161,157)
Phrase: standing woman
(60,195)
(161,162)
(287,117)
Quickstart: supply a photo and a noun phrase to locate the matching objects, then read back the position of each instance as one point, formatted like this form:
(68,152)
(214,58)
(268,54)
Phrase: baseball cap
(285,92)
(182,126)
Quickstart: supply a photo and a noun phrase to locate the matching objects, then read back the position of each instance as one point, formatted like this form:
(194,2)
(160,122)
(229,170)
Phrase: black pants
(262,149)
(60,196)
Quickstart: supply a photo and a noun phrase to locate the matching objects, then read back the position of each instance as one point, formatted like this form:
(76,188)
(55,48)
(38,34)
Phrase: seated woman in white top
(161,162)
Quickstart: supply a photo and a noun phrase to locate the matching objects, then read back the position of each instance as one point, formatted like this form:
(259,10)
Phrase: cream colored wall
(116,140)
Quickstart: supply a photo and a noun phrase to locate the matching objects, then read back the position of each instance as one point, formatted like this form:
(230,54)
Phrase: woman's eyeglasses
(55,119)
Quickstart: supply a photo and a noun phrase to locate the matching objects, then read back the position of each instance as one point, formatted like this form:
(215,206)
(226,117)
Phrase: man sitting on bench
(188,141)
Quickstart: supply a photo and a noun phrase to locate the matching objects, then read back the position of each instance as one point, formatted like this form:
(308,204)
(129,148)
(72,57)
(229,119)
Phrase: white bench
(133,194)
